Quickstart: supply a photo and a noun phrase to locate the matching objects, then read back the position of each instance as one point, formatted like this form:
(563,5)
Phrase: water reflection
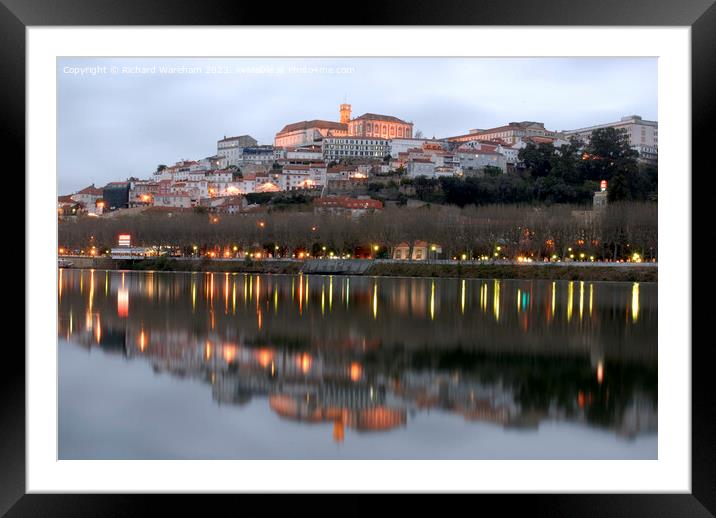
(510,353)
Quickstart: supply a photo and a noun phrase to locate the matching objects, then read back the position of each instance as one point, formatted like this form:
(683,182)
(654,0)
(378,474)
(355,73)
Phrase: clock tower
(345,113)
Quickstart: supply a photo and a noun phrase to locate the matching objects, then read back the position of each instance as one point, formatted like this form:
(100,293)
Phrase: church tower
(345,113)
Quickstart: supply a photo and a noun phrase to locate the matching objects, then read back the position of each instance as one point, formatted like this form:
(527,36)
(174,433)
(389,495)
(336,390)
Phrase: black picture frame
(700,15)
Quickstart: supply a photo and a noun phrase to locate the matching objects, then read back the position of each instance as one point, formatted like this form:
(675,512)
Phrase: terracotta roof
(316,123)
(377,117)
(91,189)
(226,139)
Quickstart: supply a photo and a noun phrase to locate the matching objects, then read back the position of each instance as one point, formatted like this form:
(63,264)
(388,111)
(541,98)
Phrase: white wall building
(178,200)
(416,167)
(403,145)
(643,135)
(341,148)
(476,160)
(231,148)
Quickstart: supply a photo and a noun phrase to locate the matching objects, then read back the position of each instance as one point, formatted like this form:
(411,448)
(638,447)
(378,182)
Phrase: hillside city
(367,164)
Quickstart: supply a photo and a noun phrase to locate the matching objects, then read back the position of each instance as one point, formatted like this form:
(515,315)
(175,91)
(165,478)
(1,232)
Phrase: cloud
(112,126)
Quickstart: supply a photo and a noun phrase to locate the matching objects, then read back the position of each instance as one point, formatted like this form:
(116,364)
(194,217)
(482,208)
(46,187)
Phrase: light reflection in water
(98,330)
(375,300)
(330,293)
(323,299)
(193,294)
(371,370)
(123,302)
(462,297)
(432,301)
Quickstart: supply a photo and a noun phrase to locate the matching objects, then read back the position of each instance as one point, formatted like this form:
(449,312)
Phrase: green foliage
(491,170)
(427,189)
(572,172)
(486,190)
(260,198)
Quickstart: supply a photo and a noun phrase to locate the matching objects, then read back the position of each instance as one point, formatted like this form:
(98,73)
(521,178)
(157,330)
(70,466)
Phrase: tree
(537,159)
(564,163)
(491,170)
(608,152)
(418,134)
(618,188)
(161,167)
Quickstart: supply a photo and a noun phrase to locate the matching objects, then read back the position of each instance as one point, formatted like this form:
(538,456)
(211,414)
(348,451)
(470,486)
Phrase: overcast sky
(116,123)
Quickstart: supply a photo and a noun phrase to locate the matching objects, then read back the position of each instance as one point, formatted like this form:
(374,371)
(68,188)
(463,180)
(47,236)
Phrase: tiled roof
(378,117)
(316,123)
(91,189)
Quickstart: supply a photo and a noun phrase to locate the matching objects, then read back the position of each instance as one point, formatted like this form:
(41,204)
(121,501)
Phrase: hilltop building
(368,125)
(510,134)
(643,135)
(231,148)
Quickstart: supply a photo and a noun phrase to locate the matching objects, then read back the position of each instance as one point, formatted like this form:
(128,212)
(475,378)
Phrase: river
(159,365)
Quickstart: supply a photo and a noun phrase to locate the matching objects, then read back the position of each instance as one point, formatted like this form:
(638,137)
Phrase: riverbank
(208,265)
(452,269)
(518,271)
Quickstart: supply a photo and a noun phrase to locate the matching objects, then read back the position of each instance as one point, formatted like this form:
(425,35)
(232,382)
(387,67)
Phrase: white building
(173,199)
(257,155)
(341,148)
(304,154)
(643,135)
(302,176)
(403,145)
(478,159)
(88,196)
(231,148)
(214,162)
(416,167)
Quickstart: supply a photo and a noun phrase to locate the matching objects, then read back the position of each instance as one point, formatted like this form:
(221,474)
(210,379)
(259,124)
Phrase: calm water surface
(235,366)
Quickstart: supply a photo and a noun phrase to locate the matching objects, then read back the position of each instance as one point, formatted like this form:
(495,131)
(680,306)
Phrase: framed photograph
(389,257)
